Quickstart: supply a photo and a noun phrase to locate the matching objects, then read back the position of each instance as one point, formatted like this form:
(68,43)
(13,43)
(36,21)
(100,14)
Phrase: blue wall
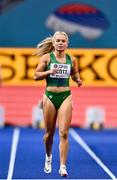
(23,25)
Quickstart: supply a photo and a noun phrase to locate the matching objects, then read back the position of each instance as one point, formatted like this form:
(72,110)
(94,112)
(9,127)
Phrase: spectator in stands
(56,67)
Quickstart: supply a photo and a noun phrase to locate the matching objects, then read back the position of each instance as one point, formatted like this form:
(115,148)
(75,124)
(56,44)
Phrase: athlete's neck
(59,54)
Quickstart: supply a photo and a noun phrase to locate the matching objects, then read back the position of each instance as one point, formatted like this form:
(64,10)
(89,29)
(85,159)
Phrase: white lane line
(79,140)
(15,140)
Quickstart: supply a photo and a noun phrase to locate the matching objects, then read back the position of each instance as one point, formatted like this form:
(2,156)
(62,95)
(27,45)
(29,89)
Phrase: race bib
(63,70)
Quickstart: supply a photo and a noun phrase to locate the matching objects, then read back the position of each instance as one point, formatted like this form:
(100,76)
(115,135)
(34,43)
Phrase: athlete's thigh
(65,113)
(49,113)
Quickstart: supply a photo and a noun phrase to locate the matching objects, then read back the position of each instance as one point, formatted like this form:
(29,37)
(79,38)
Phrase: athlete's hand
(53,71)
(79,82)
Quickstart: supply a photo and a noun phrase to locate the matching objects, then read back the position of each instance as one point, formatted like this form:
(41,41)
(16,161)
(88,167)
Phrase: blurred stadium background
(92,28)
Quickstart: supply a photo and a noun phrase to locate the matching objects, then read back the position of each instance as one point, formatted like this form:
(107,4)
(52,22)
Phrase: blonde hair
(46,46)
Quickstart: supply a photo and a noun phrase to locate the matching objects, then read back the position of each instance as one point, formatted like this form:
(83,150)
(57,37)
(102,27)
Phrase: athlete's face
(60,42)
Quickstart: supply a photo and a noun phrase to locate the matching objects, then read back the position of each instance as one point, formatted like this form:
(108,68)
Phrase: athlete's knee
(48,137)
(63,134)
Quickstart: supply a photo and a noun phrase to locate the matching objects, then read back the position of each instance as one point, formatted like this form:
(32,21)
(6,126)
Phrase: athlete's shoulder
(71,58)
(45,58)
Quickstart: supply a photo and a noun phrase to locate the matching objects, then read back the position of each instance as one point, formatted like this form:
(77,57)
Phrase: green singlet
(61,78)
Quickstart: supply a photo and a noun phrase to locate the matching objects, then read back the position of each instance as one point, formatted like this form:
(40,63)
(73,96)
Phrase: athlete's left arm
(74,72)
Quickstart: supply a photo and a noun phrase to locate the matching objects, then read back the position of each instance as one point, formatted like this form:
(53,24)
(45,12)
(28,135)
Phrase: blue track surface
(29,158)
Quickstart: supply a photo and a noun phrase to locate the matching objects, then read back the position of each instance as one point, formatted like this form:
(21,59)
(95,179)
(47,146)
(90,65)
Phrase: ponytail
(45,47)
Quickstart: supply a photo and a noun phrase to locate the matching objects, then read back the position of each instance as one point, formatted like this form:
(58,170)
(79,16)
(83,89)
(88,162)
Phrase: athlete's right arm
(40,72)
